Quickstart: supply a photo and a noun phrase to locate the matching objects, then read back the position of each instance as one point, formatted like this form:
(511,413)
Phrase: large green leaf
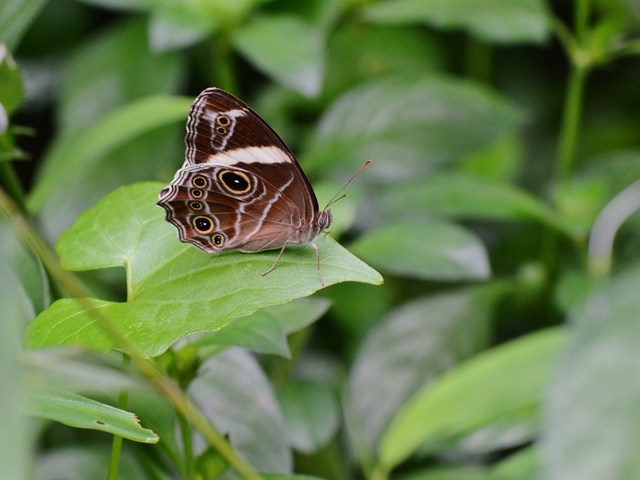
(500,21)
(591,426)
(412,346)
(81,412)
(502,382)
(408,125)
(236,396)
(174,289)
(467,197)
(436,250)
(286,48)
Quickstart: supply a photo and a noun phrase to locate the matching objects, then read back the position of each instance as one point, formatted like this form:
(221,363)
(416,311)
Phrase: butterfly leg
(315,247)
(275,264)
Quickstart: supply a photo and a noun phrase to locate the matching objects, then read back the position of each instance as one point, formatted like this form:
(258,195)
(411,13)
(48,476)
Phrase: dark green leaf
(81,412)
(500,21)
(174,289)
(434,251)
(507,380)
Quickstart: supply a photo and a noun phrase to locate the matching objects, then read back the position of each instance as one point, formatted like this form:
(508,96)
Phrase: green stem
(116,445)
(187,445)
(224,72)
(479,61)
(570,123)
(10,180)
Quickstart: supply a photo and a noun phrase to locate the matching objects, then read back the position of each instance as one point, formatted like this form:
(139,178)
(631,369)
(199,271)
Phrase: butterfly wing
(240,186)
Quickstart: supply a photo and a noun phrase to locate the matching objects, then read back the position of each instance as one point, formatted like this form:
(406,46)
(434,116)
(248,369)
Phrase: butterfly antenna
(335,198)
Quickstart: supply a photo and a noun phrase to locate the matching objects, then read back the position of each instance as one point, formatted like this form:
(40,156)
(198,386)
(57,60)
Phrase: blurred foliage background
(499,208)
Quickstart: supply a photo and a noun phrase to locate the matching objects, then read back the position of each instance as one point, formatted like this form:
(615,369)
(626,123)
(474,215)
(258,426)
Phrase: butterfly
(240,187)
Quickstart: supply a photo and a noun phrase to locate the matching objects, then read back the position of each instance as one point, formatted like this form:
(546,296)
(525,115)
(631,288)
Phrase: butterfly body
(240,187)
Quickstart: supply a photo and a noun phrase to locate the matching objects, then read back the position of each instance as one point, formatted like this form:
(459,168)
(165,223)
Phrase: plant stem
(224,72)
(187,446)
(570,123)
(116,445)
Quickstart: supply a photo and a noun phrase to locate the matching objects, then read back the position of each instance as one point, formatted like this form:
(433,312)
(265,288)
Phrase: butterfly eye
(235,182)
(195,193)
(217,239)
(223,120)
(202,225)
(200,181)
(195,206)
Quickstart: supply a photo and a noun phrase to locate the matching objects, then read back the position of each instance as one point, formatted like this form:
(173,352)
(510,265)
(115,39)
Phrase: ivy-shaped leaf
(173,289)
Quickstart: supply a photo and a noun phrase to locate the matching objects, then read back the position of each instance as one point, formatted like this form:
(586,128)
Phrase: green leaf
(81,412)
(15,18)
(357,55)
(178,25)
(99,78)
(174,289)
(287,49)
(466,197)
(412,346)
(433,251)
(266,330)
(408,126)
(507,380)
(591,428)
(234,393)
(75,156)
(11,87)
(311,414)
(499,21)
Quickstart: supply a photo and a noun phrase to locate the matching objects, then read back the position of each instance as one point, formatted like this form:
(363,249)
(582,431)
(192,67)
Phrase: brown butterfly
(240,187)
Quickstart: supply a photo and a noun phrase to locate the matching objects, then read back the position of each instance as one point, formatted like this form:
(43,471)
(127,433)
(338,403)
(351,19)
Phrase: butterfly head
(324,219)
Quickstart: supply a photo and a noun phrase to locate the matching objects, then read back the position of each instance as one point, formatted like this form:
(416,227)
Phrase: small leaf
(500,21)
(311,414)
(504,381)
(286,48)
(174,289)
(266,330)
(11,87)
(178,25)
(81,412)
(431,251)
